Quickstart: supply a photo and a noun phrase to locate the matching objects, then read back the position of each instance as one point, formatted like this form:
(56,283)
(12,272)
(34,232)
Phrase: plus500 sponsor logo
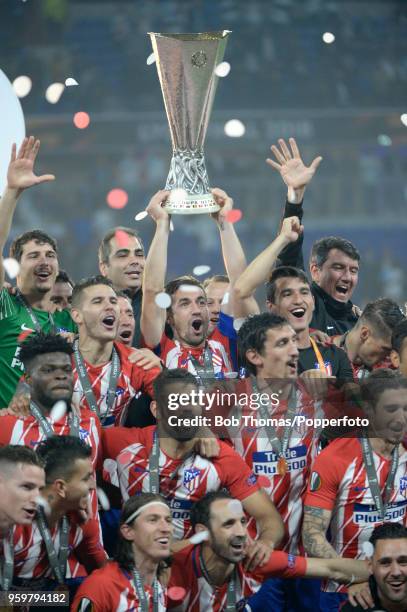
(266,462)
(180,509)
(367,514)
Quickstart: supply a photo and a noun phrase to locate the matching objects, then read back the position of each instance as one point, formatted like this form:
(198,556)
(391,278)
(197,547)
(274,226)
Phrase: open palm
(289,164)
(20,174)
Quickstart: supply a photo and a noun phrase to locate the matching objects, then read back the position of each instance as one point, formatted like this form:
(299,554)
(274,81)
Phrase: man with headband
(131,580)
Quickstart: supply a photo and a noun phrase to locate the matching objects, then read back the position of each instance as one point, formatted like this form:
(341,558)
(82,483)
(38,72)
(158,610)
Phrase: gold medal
(282,467)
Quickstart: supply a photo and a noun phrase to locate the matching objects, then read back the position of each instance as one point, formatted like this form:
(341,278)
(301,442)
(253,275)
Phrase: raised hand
(20,173)
(291,228)
(155,206)
(225,202)
(292,169)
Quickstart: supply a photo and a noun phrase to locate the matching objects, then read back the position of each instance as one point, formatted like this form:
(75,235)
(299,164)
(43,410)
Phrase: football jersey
(339,483)
(286,491)
(111,589)
(132,380)
(15,326)
(176,356)
(182,482)
(201,596)
(85,550)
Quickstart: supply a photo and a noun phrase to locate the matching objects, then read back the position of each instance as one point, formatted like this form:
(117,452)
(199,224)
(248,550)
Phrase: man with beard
(358,483)
(164,459)
(215,575)
(189,344)
(334,262)
(388,566)
(36,253)
(122,260)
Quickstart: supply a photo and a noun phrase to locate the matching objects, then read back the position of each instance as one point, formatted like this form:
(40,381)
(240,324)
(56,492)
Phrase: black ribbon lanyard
(381,503)
(46,426)
(231,592)
(205,371)
(32,316)
(86,386)
(7,566)
(154,467)
(278,445)
(57,561)
(141,593)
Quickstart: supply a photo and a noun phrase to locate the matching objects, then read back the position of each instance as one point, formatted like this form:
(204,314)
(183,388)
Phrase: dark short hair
(398,335)
(216,278)
(173,285)
(283,272)
(123,294)
(59,454)
(105,249)
(379,381)
(167,378)
(252,335)
(13,454)
(201,510)
(388,531)
(84,283)
(41,344)
(40,237)
(320,249)
(63,277)
(382,315)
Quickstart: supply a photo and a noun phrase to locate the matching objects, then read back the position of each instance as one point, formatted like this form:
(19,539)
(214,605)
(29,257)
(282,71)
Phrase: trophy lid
(216,35)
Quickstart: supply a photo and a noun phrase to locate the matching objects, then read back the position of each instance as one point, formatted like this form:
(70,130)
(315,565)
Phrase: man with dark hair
(388,566)
(61,293)
(213,573)
(127,323)
(215,288)
(36,253)
(59,548)
(165,458)
(143,545)
(398,355)
(368,344)
(122,260)
(334,262)
(358,483)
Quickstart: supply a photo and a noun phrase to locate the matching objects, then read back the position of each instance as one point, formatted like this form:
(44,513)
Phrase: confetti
(11,266)
(117,198)
(200,536)
(54,92)
(58,411)
(163,300)
(234,215)
(328,37)
(191,288)
(384,140)
(81,120)
(403,119)
(151,59)
(70,82)
(110,465)
(40,501)
(201,270)
(176,593)
(222,69)
(171,226)
(103,499)
(368,549)
(234,128)
(141,215)
(225,299)
(237,324)
(178,195)
(122,239)
(235,506)
(22,86)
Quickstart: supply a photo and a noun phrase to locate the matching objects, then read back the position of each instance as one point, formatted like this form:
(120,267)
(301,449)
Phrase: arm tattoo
(316,522)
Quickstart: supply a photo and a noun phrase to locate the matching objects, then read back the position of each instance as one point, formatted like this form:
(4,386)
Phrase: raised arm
(260,268)
(152,316)
(344,571)
(314,528)
(296,175)
(20,176)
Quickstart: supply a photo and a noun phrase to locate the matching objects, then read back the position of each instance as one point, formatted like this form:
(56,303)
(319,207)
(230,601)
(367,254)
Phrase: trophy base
(191,204)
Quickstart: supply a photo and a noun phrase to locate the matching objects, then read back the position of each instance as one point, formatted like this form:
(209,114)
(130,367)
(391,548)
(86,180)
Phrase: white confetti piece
(11,266)
(234,128)
(368,549)
(200,536)
(141,215)
(171,226)
(403,119)
(103,499)
(40,501)
(222,69)
(328,37)
(201,270)
(178,195)
(237,324)
(163,300)
(235,506)
(151,59)
(22,86)
(58,411)
(54,92)
(225,299)
(70,82)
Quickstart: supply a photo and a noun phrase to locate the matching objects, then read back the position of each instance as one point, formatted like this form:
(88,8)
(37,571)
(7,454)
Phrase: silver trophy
(186,66)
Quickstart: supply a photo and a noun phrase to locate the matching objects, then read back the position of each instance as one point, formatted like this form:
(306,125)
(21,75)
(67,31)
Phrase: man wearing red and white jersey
(143,544)
(57,528)
(107,373)
(190,346)
(213,574)
(184,476)
(343,495)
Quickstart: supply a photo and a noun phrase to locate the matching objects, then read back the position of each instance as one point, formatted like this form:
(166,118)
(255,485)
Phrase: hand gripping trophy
(186,65)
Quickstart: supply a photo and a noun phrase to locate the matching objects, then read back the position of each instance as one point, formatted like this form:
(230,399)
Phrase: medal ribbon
(57,561)
(32,316)
(141,593)
(205,371)
(86,386)
(381,503)
(318,355)
(154,468)
(231,592)
(46,426)
(7,566)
